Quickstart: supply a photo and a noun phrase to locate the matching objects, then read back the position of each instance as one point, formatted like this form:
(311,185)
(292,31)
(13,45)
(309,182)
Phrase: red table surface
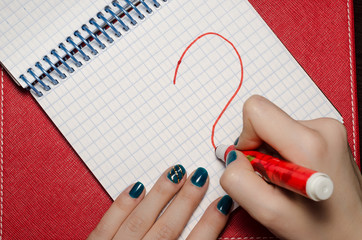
(48,193)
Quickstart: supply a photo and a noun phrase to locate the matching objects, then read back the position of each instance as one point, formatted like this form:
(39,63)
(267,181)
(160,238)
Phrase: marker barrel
(309,183)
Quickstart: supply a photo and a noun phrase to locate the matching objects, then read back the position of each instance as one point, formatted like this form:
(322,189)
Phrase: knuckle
(188,195)
(120,204)
(314,145)
(100,230)
(268,217)
(224,180)
(253,104)
(229,178)
(134,224)
(161,189)
(331,135)
(165,232)
(212,222)
(212,227)
(336,129)
(164,186)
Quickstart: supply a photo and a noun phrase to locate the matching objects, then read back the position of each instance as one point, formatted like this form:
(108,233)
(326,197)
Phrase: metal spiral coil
(109,19)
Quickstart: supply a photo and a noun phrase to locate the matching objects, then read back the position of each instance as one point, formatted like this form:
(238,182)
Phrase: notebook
(120,110)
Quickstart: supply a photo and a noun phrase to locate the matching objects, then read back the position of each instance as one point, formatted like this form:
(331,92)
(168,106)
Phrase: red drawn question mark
(237,90)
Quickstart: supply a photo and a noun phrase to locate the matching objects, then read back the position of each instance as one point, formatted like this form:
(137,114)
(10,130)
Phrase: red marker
(309,183)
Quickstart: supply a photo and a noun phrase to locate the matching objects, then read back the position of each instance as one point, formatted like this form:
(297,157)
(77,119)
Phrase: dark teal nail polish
(136,190)
(176,173)
(231,157)
(236,141)
(224,205)
(200,176)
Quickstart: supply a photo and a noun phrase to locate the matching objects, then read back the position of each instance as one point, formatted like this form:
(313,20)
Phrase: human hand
(319,144)
(135,215)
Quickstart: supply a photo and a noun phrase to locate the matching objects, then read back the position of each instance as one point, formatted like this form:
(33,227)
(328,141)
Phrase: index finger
(265,122)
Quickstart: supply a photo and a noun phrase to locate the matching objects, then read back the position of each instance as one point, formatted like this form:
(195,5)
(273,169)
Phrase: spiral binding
(101,29)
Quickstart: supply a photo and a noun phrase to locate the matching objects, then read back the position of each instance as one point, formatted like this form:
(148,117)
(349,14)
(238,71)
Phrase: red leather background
(48,193)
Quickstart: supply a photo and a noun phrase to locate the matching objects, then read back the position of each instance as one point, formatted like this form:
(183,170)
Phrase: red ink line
(237,90)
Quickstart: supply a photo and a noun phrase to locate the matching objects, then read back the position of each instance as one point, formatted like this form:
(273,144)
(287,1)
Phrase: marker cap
(319,186)
(220,151)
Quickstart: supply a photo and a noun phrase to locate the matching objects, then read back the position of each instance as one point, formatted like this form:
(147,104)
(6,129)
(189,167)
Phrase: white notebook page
(128,122)
(31,29)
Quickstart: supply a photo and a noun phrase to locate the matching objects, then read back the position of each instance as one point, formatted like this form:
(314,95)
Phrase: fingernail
(231,157)
(224,205)
(136,190)
(200,176)
(236,141)
(176,173)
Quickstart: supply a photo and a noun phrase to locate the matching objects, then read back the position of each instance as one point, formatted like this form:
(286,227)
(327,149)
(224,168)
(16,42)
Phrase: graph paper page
(31,29)
(128,122)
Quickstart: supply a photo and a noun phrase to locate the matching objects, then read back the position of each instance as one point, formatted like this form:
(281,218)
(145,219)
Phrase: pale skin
(319,144)
(130,218)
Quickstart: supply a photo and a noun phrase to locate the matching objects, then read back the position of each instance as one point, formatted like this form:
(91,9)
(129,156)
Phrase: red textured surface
(320,36)
(47,191)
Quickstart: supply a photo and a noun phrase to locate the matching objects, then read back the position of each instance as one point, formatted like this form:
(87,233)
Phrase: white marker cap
(220,151)
(319,187)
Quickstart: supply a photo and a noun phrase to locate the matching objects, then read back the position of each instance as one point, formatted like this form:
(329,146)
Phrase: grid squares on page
(34,28)
(131,122)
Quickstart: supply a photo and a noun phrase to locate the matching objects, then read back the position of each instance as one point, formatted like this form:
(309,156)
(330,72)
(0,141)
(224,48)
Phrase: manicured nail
(176,173)
(136,190)
(236,141)
(200,176)
(224,205)
(231,157)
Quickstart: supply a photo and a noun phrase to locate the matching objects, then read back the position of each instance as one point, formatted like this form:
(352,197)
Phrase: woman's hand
(320,145)
(135,215)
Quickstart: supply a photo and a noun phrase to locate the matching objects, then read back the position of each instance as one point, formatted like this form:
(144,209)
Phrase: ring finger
(142,218)
(174,219)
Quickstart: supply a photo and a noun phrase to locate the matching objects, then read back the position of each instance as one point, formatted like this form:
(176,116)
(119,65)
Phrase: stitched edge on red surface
(226,238)
(351,80)
(1,153)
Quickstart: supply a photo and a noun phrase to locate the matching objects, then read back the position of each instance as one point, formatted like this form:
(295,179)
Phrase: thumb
(260,199)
